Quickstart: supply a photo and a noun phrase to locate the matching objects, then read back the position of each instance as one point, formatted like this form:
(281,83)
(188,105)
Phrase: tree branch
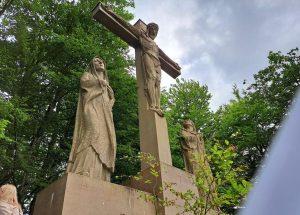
(5,6)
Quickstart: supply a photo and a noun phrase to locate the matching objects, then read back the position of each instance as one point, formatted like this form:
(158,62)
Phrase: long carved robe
(94,141)
(191,144)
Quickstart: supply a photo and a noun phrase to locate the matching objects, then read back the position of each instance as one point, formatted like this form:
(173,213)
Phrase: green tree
(4,4)
(222,193)
(186,99)
(45,46)
(252,119)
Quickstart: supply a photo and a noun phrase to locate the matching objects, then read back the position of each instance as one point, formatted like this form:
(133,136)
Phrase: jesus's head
(152,30)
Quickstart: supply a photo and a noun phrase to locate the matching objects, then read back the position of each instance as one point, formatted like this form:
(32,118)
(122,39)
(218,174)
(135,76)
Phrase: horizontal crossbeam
(126,32)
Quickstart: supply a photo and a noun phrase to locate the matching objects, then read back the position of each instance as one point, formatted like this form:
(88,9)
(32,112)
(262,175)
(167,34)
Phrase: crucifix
(149,59)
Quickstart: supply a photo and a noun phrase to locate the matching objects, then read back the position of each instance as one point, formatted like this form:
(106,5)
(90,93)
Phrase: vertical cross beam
(153,129)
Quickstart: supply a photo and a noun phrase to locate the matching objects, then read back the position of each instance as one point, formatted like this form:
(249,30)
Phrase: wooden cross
(153,128)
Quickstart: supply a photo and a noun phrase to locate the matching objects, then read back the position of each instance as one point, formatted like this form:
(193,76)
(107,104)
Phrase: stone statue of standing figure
(192,145)
(196,163)
(94,141)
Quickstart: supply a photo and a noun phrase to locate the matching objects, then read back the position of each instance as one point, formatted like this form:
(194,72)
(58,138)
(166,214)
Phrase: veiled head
(189,125)
(96,66)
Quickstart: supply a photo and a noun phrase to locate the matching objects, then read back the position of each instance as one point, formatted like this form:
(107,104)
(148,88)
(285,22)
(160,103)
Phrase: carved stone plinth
(78,195)
(182,182)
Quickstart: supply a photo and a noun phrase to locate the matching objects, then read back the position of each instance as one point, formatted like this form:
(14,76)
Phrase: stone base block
(79,195)
(181,182)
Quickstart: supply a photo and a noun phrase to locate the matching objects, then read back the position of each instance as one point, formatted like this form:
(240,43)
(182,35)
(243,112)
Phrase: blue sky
(221,42)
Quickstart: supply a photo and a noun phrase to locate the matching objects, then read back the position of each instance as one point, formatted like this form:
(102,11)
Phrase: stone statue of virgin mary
(93,150)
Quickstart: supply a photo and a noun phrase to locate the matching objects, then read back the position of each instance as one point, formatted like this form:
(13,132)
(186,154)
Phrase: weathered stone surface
(152,59)
(151,65)
(182,181)
(94,140)
(125,31)
(74,194)
(192,145)
(196,162)
(154,138)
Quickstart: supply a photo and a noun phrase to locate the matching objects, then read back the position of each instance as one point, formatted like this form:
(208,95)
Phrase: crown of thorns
(153,25)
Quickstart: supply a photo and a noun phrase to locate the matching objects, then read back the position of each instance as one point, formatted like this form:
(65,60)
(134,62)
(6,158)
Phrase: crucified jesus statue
(151,63)
(150,60)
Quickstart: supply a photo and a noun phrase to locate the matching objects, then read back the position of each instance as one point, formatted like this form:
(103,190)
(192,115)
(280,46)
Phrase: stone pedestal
(182,181)
(79,195)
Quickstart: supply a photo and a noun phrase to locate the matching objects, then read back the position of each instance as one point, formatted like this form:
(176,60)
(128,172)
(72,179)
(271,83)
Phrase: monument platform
(79,195)
(181,181)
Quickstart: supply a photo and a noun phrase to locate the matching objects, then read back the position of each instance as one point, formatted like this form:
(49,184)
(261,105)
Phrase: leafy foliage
(4,4)
(186,99)
(251,120)
(231,187)
(45,46)
(226,189)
